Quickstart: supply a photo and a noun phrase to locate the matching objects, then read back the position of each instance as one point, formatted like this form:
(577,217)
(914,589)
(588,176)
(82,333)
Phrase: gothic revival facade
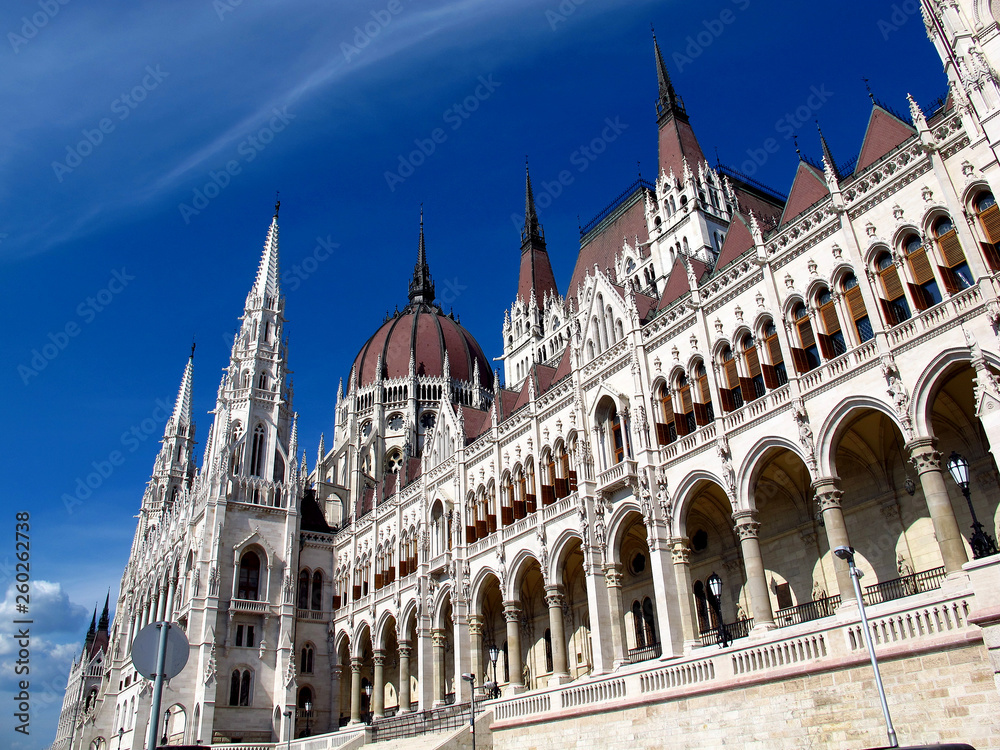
(734,383)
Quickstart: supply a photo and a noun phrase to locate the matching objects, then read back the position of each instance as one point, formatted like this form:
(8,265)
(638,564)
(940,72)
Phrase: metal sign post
(159,652)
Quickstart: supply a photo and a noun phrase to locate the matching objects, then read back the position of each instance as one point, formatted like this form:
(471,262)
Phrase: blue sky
(120,114)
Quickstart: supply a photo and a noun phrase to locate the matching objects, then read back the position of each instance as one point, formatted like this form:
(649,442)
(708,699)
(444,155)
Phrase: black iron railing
(734,630)
(927,580)
(644,653)
(422,722)
(808,611)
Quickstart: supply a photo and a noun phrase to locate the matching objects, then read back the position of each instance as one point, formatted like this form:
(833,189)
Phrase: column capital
(828,493)
(475,625)
(613,575)
(378,657)
(404,650)
(439,637)
(924,454)
(554,595)
(335,671)
(680,550)
(512,610)
(356,663)
(746,524)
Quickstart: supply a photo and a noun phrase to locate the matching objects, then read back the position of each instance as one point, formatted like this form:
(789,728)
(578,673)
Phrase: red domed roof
(428,333)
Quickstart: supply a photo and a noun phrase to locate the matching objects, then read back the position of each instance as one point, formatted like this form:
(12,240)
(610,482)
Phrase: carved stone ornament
(746,524)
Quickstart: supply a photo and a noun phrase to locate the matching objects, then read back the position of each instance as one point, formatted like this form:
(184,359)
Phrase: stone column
(680,551)
(747,528)
(378,684)
(335,672)
(828,496)
(476,648)
(927,461)
(355,689)
(512,614)
(438,641)
(404,677)
(555,598)
(613,582)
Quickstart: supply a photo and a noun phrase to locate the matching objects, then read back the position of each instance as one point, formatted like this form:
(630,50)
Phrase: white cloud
(49,608)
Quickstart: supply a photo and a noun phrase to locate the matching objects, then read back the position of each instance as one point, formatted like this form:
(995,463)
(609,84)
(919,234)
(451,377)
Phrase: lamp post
(494,655)
(166,723)
(308,714)
(471,679)
(715,589)
(368,692)
(288,715)
(121,731)
(982,543)
(847,553)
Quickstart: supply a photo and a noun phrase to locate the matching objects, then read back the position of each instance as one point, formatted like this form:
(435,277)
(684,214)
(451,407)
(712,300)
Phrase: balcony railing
(808,611)
(644,653)
(734,630)
(248,605)
(422,722)
(617,476)
(886,591)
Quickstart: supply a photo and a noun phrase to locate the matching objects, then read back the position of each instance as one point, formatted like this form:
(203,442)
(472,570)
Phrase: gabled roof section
(312,516)
(565,366)
(476,422)
(738,240)
(624,219)
(544,376)
(885,132)
(808,187)
(523,395)
(506,401)
(677,285)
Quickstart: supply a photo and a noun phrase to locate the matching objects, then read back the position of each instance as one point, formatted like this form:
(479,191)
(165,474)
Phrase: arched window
(989,219)
(249,580)
(856,307)
(924,289)
(894,304)
(304,590)
(640,635)
(305,696)
(317,591)
(955,272)
(703,411)
(648,623)
(775,375)
(701,606)
(240,687)
(807,357)
(666,430)
(731,394)
(753,384)
(832,341)
(684,407)
(238,448)
(548,650)
(257,451)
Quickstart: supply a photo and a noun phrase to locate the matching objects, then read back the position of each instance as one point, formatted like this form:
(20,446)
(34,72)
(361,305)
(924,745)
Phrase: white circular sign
(147,644)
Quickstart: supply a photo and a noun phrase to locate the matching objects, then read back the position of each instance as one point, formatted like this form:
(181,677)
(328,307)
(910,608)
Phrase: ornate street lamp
(166,722)
(494,655)
(715,589)
(982,543)
(369,689)
(308,714)
(121,731)
(288,715)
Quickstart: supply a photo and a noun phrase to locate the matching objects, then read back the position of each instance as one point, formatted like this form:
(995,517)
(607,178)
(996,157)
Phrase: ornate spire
(102,626)
(266,285)
(830,166)
(668,103)
(182,407)
(532,229)
(421,286)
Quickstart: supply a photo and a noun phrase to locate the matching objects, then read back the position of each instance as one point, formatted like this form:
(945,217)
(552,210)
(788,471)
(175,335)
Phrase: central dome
(425,332)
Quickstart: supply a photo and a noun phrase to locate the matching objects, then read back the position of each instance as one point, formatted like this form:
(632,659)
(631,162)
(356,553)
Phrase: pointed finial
(829,164)
(277,204)
(868,88)
(667,103)
(795,140)
(193,345)
(421,286)
(638,168)
(532,229)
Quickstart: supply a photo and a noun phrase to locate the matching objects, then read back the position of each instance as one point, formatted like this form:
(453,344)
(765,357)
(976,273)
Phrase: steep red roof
(506,403)
(738,240)
(544,376)
(677,285)
(767,213)
(476,422)
(522,396)
(536,273)
(565,365)
(677,141)
(600,249)
(885,132)
(645,305)
(808,187)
